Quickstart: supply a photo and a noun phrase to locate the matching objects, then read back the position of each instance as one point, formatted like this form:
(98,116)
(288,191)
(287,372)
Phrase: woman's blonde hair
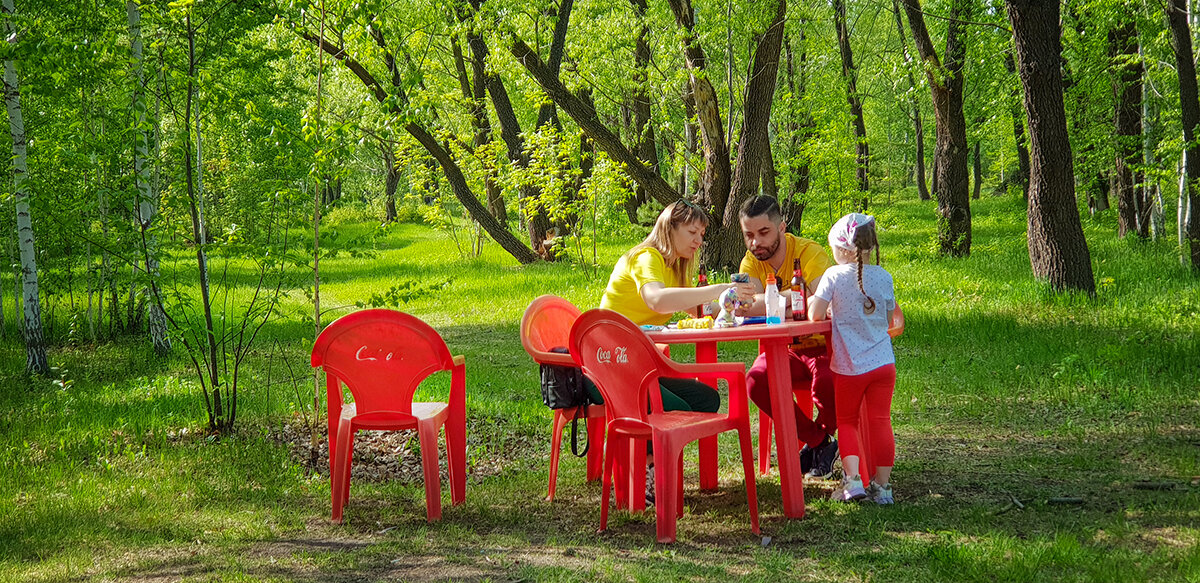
(676,215)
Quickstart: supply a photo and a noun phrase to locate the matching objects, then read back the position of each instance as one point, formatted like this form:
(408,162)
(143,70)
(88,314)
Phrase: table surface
(734,333)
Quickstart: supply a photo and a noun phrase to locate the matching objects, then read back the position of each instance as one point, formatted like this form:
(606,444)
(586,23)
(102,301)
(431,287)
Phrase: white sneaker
(852,489)
(881,494)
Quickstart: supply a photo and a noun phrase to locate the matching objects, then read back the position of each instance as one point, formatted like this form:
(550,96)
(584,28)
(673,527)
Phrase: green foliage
(1005,392)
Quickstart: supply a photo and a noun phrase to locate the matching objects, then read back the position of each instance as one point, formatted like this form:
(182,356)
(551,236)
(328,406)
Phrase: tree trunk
(1127,91)
(950,155)
(584,114)
(918,126)
(462,191)
(147,204)
(1150,138)
(211,386)
(977,172)
(390,182)
(547,113)
(1018,117)
(861,150)
(642,131)
(1181,42)
(727,247)
(716,179)
(537,217)
(35,348)
(475,91)
(1058,251)
(800,130)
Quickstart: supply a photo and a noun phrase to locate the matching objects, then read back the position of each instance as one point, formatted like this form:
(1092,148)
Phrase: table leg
(787,445)
(707,352)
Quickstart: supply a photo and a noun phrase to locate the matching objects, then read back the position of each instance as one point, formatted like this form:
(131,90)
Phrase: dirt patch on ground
(395,456)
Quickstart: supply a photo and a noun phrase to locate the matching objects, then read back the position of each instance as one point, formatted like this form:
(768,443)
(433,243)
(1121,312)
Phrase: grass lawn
(1038,438)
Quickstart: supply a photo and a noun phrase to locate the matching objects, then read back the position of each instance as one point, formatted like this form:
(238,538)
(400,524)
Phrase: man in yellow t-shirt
(771,249)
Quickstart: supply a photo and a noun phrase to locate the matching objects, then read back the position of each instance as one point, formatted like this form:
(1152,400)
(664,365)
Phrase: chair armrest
(719,369)
(556,358)
(457,400)
(733,372)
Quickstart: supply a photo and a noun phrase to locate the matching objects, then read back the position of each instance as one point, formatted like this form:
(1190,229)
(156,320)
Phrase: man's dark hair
(756,206)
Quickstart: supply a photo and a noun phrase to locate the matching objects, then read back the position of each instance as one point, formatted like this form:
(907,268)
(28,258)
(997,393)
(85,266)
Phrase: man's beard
(763,254)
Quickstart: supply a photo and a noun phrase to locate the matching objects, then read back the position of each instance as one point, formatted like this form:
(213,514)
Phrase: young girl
(862,300)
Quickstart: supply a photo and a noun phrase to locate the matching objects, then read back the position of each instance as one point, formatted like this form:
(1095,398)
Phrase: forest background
(185,174)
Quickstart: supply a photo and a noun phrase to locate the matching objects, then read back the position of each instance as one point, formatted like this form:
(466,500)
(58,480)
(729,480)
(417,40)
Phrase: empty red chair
(547,324)
(381,356)
(626,366)
(804,395)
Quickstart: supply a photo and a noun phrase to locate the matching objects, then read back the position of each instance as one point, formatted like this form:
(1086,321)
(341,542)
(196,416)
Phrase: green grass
(1005,392)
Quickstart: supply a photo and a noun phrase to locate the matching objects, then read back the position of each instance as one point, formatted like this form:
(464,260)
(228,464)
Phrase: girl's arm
(817,308)
(668,300)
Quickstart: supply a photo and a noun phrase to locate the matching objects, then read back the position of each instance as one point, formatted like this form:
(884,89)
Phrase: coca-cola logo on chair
(607,356)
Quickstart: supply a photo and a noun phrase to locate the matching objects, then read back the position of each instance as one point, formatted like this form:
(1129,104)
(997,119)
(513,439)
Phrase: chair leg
(560,421)
(616,448)
(764,443)
(595,456)
(339,475)
(637,474)
(679,485)
(748,468)
(456,457)
(606,482)
(708,463)
(666,489)
(427,432)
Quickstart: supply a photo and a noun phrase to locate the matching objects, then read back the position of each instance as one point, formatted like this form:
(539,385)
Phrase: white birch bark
(35,349)
(147,204)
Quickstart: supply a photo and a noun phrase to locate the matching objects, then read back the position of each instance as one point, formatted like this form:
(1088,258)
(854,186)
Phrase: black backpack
(563,388)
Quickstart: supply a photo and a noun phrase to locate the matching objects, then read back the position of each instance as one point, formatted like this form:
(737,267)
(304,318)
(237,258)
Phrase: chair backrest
(381,356)
(547,324)
(897,327)
(616,354)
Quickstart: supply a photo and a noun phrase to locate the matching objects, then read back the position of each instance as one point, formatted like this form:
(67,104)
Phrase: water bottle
(772,299)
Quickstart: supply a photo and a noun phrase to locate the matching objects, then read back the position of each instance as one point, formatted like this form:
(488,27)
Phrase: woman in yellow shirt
(653,280)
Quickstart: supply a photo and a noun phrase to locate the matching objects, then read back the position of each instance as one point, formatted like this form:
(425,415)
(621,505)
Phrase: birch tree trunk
(147,206)
(35,349)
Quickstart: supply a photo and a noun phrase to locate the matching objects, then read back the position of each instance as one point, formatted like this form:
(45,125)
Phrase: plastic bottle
(704,309)
(771,297)
(799,293)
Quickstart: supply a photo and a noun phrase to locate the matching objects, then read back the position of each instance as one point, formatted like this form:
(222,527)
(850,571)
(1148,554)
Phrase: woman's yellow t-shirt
(632,271)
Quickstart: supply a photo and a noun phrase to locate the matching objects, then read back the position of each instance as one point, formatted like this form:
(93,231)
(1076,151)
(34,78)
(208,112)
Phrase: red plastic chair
(804,395)
(626,367)
(545,325)
(382,356)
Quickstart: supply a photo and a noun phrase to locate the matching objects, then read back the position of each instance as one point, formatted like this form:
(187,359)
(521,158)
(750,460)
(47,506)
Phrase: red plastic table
(774,339)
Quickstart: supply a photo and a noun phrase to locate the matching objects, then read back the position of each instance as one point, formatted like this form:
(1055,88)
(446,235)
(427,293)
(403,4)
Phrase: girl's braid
(864,239)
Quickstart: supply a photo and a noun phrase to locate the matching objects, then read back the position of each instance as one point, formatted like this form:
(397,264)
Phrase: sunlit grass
(1005,392)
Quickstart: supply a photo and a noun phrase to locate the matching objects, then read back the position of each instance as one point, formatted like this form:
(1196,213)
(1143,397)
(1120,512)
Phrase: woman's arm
(668,300)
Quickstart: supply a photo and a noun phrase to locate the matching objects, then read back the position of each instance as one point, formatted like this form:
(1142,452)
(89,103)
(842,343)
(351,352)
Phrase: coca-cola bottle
(799,293)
